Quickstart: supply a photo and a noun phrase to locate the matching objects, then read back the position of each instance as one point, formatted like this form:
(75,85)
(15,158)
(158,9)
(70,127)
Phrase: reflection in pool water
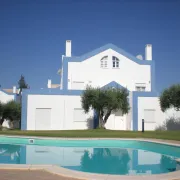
(94,160)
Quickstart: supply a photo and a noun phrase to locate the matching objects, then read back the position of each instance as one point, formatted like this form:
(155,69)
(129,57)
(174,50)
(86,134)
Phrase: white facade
(108,66)
(129,74)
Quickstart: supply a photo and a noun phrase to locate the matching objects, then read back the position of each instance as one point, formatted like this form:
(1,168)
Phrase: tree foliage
(105,101)
(1,109)
(22,83)
(11,111)
(170,98)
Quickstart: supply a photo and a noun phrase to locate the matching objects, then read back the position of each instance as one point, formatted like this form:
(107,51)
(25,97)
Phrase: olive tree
(105,101)
(170,97)
(11,111)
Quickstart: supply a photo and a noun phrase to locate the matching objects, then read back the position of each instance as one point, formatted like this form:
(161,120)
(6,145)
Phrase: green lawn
(170,135)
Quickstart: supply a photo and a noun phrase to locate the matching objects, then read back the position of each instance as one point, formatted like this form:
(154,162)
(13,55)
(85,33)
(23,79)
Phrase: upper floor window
(140,88)
(115,62)
(104,62)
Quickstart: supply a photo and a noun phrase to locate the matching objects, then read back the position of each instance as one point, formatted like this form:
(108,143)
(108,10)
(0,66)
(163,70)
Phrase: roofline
(7,92)
(104,48)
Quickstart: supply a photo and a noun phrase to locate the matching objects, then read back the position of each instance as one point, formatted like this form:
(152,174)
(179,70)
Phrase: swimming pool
(120,157)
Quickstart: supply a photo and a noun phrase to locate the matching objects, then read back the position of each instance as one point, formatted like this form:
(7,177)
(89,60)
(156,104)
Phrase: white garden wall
(157,117)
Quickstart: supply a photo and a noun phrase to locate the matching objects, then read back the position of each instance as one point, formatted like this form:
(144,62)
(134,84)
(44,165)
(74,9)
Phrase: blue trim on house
(56,91)
(99,50)
(135,96)
(24,111)
(113,84)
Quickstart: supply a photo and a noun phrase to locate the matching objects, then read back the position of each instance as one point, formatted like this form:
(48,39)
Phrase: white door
(43,119)
(149,119)
(116,121)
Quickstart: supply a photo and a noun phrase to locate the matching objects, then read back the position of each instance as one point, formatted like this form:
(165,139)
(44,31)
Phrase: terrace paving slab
(30,174)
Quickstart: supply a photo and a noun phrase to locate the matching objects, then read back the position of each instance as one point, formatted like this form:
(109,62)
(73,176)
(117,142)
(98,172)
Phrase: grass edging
(97,133)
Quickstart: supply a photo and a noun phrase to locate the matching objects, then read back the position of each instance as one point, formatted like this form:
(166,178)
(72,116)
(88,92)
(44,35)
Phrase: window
(149,115)
(115,62)
(104,62)
(140,88)
(43,118)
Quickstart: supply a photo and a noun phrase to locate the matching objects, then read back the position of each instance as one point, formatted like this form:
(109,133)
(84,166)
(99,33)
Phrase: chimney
(49,83)
(14,89)
(68,48)
(148,52)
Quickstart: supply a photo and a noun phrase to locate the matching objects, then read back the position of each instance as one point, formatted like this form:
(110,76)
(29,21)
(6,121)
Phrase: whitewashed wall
(89,71)
(4,98)
(145,103)
(116,121)
(62,111)
(62,115)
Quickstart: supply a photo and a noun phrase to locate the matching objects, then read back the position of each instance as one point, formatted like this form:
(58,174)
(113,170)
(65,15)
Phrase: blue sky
(33,35)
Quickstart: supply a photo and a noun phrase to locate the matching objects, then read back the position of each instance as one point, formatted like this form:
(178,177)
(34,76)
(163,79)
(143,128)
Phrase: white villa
(59,106)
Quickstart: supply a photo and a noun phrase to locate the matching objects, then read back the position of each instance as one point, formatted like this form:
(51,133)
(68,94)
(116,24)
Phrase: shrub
(161,128)
(171,124)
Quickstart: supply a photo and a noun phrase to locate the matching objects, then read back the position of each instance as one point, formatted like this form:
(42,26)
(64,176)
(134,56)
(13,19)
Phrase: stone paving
(30,175)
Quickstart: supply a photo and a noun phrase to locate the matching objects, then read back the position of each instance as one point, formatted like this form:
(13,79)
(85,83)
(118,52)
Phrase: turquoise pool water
(122,157)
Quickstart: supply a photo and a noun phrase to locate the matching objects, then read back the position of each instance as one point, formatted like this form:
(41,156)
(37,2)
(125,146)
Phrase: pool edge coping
(53,169)
(159,141)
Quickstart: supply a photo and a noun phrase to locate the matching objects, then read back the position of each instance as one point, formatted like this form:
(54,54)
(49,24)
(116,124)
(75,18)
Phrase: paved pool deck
(29,175)
(38,172)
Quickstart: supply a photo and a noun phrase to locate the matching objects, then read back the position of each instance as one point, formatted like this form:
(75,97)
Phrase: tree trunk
(106,117)
(1,121)
(101,114)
